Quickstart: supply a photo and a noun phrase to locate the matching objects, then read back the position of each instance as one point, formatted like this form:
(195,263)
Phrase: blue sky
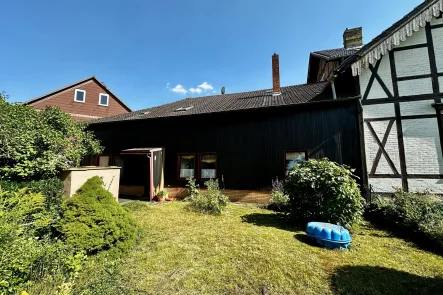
(143,49)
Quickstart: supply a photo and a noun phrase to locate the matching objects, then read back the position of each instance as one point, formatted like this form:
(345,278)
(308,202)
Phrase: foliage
(320,190)
(38,144)
(210,201)
(193,187)
(94,221)
(163,193)
(279,201)
(28,253)
(419,213)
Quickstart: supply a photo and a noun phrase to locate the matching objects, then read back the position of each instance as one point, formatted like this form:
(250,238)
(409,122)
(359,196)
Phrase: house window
(103,99)
(292,158)
(186,164)
(103,161)
(80,95)
(208,166)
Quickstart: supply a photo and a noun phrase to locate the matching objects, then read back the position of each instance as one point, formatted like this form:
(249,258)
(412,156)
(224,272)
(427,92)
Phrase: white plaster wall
(372,147)
(437,37)
(422,146)
(416,38)
(420,107)
(385,185)
(412,62)
(384,71)
(415,87)
(433,185)
(378,111)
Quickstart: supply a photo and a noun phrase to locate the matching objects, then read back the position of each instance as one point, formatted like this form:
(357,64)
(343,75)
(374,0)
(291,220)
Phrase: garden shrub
(94,221)
(279,200)
(210,201)
(28,253)
(321,190)
(418,214)
(38,144)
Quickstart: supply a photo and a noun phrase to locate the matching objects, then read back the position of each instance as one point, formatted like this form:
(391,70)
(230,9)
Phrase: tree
(39,144)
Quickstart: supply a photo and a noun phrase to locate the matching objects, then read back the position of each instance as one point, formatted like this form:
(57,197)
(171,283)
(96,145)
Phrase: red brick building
(84,100)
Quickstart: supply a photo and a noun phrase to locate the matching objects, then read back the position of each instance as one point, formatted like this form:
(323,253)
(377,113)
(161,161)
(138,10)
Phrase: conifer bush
(94,221)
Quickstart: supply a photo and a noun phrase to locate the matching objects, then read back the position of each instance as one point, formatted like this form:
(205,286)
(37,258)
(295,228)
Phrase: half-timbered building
(400,79)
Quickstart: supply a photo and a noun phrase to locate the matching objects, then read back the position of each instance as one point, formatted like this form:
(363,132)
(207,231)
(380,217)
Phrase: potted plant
(162,195)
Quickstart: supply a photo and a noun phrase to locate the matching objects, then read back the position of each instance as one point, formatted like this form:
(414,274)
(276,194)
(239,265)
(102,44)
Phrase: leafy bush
(279,201)
(320,190)
(38,144)
(94,221)
(210,201)
(420,214)
(28,254)
(193,187)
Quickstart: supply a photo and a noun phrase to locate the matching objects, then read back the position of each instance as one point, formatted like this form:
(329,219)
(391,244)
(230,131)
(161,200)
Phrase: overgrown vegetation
(209,201)
(279,200)
(419,213)
(321,190)
(38,144)
(94,221)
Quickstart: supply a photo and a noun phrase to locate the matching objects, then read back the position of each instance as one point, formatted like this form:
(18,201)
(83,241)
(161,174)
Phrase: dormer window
(184,109)
(103,99)
(80,95)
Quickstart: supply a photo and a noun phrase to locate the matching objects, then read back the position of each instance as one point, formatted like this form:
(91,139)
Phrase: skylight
(184,109)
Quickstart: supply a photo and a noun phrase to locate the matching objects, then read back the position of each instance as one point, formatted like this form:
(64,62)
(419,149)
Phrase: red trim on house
(216,164)
(293,151)
(178,165)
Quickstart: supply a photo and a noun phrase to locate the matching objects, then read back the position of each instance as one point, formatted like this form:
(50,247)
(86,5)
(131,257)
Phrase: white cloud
(179,89)
(205,86)
(195,90)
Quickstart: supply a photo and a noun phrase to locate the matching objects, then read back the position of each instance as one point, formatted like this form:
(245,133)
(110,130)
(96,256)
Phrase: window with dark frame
(186,165)
(293,158)
(208,165)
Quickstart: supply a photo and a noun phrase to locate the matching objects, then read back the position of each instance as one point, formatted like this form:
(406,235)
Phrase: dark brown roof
(75,84)
(386,33)
(331,54)
(290,95)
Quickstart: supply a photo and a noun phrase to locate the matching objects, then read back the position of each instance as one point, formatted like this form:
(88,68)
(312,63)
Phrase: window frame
(293,151)
(84,95)
(99,99)
(199,165)
(179,162)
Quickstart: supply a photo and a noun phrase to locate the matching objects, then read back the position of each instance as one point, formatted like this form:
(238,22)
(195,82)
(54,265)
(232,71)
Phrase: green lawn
(248,250)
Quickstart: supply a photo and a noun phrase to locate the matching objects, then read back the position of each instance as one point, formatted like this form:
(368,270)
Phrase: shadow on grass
(369,280)
(277,220)
(305,239)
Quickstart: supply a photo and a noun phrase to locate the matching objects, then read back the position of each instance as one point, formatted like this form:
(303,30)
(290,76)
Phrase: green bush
(38,144)
(28,253)
(419,213)
(279,200)
(210,201)
(94,221)
(320,190)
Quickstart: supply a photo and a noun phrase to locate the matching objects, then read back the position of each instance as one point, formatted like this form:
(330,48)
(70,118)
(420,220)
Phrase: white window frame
(84,95)
(99,99)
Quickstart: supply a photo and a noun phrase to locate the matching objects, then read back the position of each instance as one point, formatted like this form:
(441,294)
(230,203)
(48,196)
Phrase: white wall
(421,136)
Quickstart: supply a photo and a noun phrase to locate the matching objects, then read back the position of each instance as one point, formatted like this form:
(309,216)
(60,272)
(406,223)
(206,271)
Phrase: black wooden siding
(249,144)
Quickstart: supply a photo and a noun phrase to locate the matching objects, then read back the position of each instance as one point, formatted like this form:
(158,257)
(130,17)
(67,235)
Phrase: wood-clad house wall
(250,145)
(402,130)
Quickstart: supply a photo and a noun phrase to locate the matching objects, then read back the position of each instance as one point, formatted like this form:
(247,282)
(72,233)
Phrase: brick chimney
(275,74)
(353,37)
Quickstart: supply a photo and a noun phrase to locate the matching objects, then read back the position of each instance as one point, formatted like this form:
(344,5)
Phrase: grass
(248,250)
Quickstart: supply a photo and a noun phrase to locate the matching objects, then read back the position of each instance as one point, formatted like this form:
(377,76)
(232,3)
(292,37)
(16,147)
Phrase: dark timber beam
(382,148)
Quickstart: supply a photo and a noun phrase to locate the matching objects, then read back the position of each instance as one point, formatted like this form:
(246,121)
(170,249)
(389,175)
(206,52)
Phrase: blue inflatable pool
(329,235)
